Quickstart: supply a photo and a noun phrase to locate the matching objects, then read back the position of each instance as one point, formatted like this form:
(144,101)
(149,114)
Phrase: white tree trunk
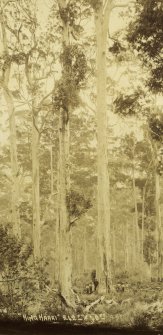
(134,249)
(65,244)
(57,230)
(14,165)
(13,145)
(103,226)
(51,170)
(127,246)
(36,189)
(65,238)
(85,263)
(159,226)
(114,247)
(142,232)
(136,210)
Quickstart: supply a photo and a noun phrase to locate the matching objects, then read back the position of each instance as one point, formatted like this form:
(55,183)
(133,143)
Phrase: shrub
(22,281)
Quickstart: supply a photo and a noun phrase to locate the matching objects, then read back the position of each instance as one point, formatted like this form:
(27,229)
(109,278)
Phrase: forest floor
(138,305)
(128,306)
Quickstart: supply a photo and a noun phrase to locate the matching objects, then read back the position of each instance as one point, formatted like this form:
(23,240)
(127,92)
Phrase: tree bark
(36,189)
(103,225)
(85,249)
(134,249)
(142,232)
(126,247)
(65,238)
(14,165)
(57,230)
(35,164)
(51,170)
(159,226)
(65,244)
(136,210)
(13,145)
(114,250)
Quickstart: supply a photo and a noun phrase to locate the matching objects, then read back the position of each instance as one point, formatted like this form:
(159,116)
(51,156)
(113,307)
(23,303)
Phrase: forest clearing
(81,162)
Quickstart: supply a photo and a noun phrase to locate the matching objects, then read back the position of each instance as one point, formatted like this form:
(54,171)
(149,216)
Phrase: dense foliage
(146,36)
(48,112)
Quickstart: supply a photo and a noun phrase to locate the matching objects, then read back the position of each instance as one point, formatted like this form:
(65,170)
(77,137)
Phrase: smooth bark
(142,231)
(103,225)
(35,166)
(85,266)
(65,244)
(65,238)
(159,226)
(13,145)
(51,170)
(14,164)
(36,189)
(135,207)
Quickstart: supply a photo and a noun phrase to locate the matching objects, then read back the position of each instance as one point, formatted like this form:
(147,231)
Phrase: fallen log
(94,303)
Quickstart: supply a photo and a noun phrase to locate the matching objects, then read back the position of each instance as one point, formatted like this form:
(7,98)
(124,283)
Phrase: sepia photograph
(81,167)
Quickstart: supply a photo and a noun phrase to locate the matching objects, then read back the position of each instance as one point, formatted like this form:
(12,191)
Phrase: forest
(81,161)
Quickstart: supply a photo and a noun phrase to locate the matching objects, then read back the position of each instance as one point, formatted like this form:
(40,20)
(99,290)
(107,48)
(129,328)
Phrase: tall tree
(38,69)
(102,14)
(155,140)
(7,61)
(65,100)
(146,37)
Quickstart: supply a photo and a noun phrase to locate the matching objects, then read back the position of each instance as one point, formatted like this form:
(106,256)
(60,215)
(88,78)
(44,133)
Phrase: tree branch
(77,217)
(7,2)
(85,104)
(106,13)
(46,208)
(6,71)
(106,6)
(121,4)
(34,122)
(44,98)
(94,303)
(61,3)
(40,106)
(28,76)
(8,280)
(44,119)
(11,30)
(43,77)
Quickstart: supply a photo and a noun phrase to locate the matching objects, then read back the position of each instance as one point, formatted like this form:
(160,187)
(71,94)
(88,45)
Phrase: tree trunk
(13,146)
(142,232)
(134,244)
(51,170)
(159,226)
(124,244)
(126,247)
(136,211)
(114,251)
(150,268)
(14,165)
(57,230)
(35,189)
(65,252)
(65,238)
(103,226)
(85,249)
(35,165)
